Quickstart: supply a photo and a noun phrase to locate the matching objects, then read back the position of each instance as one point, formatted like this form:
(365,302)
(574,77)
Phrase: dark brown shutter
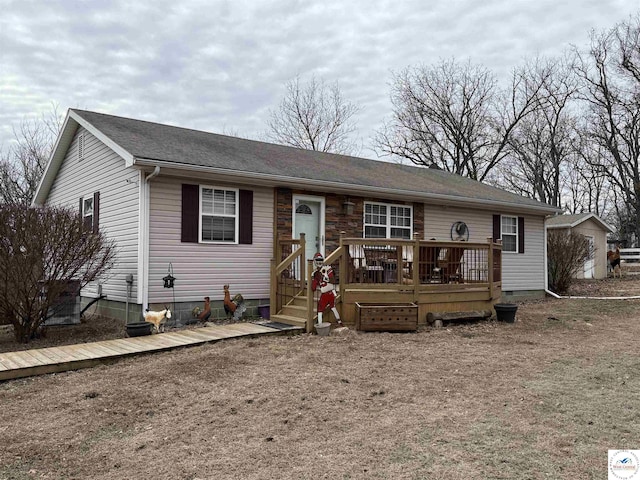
(245,229)
(96,212)
(80,212)
(497,228)
(190,212)
(520,234)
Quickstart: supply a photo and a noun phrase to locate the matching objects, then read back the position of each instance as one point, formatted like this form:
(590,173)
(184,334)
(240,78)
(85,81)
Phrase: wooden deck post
(416,266)
(343,273)
(273,291)
(303,257)
(309,268)
(490,266)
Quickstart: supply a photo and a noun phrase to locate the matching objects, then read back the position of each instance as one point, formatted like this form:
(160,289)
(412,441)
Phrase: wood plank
(45,359)
(103,351)
(114,347)
(195,337)
(82,351)
(19,358)
(165,341)
(250,329)
(68,354)
(60,355)
(138,347)
(7,362)
(214,332)
(33,357)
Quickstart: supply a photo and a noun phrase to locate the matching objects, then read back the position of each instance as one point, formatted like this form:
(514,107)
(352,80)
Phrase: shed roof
(573,220)
(149,144)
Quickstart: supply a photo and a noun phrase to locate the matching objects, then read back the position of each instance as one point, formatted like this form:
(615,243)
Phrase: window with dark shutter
(511,230)
(213,212)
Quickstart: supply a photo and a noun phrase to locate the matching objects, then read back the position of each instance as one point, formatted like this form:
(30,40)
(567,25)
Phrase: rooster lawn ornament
(323,278)
(236,307)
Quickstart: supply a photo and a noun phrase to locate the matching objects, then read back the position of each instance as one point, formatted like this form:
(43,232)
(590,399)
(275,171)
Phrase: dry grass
(542,398)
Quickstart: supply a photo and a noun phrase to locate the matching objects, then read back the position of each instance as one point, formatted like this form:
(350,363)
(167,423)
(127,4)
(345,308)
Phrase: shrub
(566,254)
(41,250)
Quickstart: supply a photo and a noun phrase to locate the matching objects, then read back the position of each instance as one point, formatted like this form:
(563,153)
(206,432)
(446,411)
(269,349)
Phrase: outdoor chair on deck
(374,264)
(430,271)
(451,264)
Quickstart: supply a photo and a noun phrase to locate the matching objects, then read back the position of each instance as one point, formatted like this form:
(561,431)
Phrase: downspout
(145,236)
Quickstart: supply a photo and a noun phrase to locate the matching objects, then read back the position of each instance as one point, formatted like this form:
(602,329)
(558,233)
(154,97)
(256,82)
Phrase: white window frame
(85,213)
(388,225)
(236,215)
(511,234)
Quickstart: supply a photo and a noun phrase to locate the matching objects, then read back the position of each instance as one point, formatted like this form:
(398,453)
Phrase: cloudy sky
(220,65)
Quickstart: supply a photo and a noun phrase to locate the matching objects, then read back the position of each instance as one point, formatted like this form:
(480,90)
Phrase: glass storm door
(308,218)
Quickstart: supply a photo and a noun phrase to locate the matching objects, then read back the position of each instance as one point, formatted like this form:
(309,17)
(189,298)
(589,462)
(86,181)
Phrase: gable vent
(81,147)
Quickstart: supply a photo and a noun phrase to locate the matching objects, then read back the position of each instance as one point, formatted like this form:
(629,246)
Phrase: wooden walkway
(41,361)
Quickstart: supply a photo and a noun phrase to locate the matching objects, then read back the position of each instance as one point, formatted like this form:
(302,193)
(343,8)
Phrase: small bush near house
(41,250)
(566,252)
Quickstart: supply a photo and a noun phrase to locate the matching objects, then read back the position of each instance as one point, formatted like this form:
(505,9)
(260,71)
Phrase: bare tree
(542,145)
(41,250)
(314,116)
(610,73)
(585,188)
(23,162)
(453,116)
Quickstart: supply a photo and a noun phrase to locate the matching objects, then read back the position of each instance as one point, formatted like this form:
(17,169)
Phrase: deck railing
(384,264)
(288,272)
(420,262)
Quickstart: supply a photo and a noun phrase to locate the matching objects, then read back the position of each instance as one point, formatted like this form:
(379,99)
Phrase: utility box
(67,308)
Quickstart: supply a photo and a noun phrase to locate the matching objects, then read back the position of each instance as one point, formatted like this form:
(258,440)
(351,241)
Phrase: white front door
(589,262)
(308,218)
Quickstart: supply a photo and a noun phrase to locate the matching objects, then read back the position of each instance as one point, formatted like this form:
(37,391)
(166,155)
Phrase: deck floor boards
(41,361)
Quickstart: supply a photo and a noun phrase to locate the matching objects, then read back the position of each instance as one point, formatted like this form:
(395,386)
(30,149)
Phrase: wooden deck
(41,361)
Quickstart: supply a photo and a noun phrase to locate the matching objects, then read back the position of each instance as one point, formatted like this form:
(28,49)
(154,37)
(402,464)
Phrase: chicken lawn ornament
(235,306)
(323,278)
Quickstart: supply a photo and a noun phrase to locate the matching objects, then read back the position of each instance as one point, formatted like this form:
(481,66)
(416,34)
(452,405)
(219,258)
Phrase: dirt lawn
(544,397)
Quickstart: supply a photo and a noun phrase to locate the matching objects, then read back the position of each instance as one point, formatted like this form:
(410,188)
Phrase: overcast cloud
(221,65)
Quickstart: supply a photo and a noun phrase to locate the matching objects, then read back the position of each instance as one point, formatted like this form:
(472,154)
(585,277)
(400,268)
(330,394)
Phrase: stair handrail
(278,268)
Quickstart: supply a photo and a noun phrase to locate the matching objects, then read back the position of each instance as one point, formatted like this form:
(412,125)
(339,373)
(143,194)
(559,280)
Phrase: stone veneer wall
(335,220)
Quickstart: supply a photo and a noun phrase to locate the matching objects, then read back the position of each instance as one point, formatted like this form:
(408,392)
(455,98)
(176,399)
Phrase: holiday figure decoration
(323,278)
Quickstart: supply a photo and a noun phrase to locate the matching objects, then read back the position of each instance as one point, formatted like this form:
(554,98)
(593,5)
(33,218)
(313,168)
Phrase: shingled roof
(151,143)
(573,220)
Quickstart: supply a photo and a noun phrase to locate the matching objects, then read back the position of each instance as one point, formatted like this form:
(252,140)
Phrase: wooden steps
(289,320)
(294,313)
(41,361)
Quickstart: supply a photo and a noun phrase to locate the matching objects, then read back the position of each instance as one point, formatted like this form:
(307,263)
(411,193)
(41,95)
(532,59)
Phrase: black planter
(138,329)
(506,312)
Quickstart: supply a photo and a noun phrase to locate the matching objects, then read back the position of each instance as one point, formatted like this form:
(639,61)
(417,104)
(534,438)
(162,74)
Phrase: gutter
(272,180)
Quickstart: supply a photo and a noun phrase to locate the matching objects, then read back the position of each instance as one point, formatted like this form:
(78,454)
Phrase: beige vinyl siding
(520,271)
(102,170)
(201,269)
(595,230)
